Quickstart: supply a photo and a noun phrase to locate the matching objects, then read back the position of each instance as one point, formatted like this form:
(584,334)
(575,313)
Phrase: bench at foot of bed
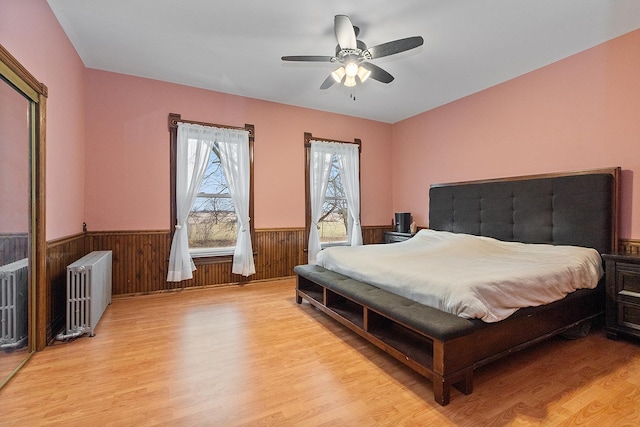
(425,339)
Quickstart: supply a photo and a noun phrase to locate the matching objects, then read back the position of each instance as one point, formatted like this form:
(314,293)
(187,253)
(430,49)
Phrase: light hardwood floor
(251,356)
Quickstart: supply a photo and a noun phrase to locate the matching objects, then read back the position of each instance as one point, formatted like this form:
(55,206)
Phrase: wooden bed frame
(578,208)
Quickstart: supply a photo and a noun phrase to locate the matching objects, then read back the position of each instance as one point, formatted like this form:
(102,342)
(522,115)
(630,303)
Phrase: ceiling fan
(353,55)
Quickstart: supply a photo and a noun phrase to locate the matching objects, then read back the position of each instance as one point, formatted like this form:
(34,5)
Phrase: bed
(578,209)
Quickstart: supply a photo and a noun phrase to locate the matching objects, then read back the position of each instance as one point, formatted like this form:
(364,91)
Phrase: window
(332,182)
(333,225)
(212,222)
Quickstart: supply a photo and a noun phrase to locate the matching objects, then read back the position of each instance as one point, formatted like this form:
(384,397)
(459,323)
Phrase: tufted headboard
(578,208)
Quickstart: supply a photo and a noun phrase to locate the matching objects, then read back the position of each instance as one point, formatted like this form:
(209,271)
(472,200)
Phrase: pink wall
(579,113)
(127,152)
(31,33)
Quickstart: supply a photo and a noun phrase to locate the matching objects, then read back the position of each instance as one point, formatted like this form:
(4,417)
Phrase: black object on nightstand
(623,294)
(394,236)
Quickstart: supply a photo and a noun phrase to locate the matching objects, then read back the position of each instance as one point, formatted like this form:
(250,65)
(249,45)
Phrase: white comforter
(470,276)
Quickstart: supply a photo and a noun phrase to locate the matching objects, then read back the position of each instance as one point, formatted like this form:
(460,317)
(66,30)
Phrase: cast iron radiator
(88,293)
(14,304)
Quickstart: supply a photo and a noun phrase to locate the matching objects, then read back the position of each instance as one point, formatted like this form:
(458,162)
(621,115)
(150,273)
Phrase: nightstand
(394,236)
(623,294)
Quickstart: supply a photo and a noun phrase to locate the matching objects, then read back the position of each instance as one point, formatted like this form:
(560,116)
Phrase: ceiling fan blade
(396,46)
(329,81)
(377,73)
(345,34)
(308,58)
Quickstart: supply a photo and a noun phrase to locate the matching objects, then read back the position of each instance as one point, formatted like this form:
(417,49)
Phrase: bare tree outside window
(212,221)
(335,213)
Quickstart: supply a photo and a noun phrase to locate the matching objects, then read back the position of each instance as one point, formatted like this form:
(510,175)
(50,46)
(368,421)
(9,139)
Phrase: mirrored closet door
(20,134)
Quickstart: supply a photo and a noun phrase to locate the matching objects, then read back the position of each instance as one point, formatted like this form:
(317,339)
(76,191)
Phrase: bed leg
(442,387)
(298,298)
(441,390)
(466,385)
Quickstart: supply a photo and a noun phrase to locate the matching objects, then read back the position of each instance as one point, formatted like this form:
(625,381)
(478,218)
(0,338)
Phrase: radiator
(14,283)
(88,293)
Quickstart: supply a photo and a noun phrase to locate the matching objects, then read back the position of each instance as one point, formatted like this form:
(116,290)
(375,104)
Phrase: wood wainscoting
(629,246)
(60,253)
(13,247)
(140,261)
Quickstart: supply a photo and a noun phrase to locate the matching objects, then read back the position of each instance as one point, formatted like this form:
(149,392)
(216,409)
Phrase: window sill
(206,259)
(211,252)
(218,259)
(211,256)
(328,245)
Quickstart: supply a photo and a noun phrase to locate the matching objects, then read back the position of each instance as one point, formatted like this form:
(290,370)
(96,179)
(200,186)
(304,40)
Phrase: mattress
(467,275)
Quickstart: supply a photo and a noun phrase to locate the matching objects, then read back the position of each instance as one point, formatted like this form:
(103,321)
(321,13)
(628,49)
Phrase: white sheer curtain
(193,150)
(234,156)
(321,154)
(348,159)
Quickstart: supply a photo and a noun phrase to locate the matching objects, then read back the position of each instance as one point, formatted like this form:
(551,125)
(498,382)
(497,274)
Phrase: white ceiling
(235,46)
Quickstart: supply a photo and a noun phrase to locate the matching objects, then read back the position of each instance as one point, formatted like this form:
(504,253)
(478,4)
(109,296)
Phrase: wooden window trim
(308,137)
(173,121)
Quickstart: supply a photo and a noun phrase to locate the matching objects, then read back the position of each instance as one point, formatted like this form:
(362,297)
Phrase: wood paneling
(60,253)
(140,259)
(278,251)
(371,235)
(13,247)
(629,246)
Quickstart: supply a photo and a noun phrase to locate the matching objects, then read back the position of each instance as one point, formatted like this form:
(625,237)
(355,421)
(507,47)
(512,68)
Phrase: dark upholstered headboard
(579,208)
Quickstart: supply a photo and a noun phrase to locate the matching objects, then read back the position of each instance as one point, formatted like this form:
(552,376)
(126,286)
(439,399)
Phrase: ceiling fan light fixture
(350,53)
(350,81)
(363,74)
(351,69)
(338,74)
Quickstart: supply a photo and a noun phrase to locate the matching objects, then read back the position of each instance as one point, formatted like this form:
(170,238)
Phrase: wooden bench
(417,335)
